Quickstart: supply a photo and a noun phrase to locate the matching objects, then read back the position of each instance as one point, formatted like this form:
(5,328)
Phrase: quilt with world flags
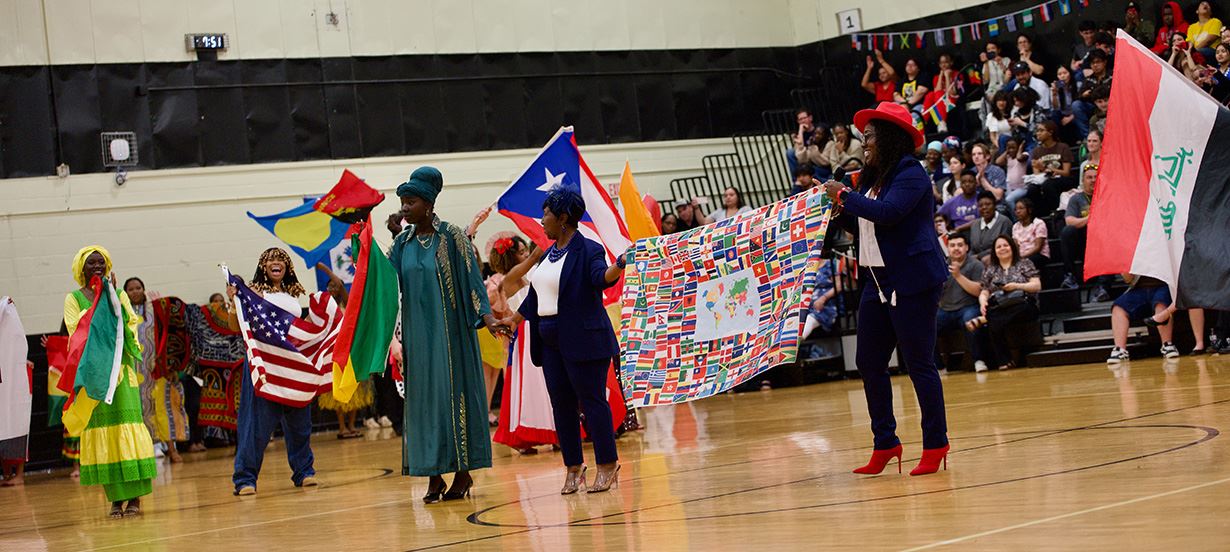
(710,308)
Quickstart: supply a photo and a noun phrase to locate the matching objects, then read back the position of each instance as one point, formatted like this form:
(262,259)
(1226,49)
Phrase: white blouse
(868,247)
(546,283)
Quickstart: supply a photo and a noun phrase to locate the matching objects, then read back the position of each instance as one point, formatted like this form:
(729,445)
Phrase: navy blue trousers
(570,384)
(258,417)
(909,325)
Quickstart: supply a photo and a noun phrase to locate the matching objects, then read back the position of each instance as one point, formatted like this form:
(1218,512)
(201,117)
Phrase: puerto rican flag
(1161,207)
(559,163)
(291,358)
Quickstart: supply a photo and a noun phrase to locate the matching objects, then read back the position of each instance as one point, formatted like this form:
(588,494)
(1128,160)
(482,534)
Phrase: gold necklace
(425,243)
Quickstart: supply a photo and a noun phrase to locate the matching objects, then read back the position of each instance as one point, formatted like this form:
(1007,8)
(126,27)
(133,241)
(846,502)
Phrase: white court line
(742,443)
(1067,515)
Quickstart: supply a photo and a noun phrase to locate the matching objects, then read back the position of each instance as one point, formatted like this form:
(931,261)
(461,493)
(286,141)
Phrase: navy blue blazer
(585,331)
(903,215)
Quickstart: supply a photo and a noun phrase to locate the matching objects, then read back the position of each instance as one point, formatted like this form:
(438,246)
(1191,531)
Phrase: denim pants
(257,419)
(946,321)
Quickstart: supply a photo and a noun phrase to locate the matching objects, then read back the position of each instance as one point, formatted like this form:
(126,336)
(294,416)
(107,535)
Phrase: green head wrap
(424,182)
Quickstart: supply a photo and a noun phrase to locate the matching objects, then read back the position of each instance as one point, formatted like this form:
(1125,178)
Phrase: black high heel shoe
(458,494)
(434,493)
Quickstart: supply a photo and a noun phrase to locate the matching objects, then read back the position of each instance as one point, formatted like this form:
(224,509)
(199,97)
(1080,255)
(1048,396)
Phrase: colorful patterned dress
(162,398)
(116,450)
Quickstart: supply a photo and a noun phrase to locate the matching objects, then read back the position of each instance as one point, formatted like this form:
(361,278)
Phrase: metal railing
(757,168)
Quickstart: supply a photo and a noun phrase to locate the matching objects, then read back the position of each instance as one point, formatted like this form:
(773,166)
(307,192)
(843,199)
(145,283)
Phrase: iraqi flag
(1162,205)
(559,163)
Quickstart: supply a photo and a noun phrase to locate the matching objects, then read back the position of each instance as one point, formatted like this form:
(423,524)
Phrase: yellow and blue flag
(310,233)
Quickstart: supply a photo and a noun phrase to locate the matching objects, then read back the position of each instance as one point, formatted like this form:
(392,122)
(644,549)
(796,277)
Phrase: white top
(997,125)
(546,283)
(285,302)
(868,247)
(719,214)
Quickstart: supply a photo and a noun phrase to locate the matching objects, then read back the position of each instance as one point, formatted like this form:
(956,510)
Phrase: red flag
(351,200)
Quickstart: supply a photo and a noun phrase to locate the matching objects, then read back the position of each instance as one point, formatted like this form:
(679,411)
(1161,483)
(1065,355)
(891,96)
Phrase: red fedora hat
(891,113)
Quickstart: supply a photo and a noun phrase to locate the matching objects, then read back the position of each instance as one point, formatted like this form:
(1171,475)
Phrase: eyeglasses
(869,136)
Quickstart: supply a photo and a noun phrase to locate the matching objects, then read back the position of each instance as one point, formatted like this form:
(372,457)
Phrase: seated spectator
(822,312)
(991,178)
(801,138)
(1204,34)
(1105,41)
(991,224)
(1053,160)
(732,205)
(933,161)
(1181,57)
(962,209)
(842,148)
(1101,101)
(812,153)
(1010,287)
(946,82)
(886,84)
(950,186)
(912,89)
(1026,55)
(959,299)
(942,230)
(1072,237)
(1015,160)
(1030,234)
(1092,150)
(1147,297)
(1026,116)
(804,179)
(670,224)
(1064,99)
(996,69)
(687,216)
(997,127)
(1099,77)
(1140,29)
(1086,29)
(1023,77)
(1172,22)
(1218,77)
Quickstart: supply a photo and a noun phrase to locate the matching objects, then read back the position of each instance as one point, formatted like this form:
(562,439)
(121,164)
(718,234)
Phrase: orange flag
(636,217)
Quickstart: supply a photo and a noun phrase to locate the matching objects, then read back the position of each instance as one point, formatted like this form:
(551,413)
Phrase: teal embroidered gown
(443,300)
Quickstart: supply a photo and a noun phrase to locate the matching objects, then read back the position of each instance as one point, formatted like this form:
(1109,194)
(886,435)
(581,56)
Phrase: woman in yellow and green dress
(116,450)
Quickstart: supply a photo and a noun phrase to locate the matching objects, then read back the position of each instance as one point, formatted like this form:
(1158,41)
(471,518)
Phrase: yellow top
(1212,27)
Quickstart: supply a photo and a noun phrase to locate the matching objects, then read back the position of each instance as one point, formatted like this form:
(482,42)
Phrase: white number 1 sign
(850,21)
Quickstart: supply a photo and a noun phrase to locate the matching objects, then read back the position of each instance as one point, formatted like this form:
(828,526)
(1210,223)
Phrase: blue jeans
(946,321)
(257,419)
(1083,111)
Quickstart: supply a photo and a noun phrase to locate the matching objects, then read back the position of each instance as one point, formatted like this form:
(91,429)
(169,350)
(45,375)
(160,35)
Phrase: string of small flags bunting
(943,36)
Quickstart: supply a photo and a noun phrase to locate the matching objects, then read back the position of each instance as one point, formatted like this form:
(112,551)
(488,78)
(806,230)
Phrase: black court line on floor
(1210,433)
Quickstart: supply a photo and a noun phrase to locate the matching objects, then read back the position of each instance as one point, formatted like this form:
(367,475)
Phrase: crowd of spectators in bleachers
(1014,168)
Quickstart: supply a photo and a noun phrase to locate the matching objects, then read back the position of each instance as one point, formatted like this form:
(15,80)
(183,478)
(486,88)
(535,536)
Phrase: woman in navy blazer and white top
(891,213)
(571,337)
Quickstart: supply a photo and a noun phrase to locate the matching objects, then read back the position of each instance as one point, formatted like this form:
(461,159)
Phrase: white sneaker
(158,452)
(980,366)
(385,422)
(371,423)
(1118,355)
(1169,350)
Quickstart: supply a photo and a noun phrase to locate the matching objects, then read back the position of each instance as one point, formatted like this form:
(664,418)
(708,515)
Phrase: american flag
(290,357)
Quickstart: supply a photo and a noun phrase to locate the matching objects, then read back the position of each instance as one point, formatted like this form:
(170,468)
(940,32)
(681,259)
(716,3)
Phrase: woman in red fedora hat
(891,214)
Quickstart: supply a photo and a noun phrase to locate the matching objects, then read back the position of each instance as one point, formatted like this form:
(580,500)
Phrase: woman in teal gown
(443,300)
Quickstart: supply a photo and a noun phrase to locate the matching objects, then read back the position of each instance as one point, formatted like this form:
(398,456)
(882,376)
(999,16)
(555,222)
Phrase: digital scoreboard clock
(206,41)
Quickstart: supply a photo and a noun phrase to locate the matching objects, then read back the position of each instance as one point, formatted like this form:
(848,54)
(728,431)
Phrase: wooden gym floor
(1078,457)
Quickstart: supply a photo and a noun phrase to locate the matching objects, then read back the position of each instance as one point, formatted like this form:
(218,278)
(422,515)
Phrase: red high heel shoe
(930,462)
(879,459)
